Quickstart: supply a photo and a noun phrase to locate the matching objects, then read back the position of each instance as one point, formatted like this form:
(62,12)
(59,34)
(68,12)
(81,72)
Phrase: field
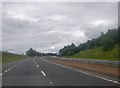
(98,53)
(9,57)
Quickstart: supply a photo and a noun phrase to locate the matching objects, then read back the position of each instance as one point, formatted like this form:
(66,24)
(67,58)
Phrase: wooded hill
(107,41)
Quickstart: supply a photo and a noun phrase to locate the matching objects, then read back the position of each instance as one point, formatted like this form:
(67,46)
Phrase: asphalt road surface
(39,71)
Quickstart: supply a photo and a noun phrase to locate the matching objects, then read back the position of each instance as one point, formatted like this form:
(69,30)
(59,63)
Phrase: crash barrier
(92,61)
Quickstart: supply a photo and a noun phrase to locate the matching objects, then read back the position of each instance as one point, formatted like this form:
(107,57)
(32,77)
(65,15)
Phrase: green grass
(98,53)
(0,58)
(9,57)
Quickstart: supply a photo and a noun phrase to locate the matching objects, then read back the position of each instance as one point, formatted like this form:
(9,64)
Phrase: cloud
(57,17)
(49,26)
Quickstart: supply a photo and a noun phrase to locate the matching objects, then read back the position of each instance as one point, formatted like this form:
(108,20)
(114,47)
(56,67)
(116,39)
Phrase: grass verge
(98,53)
(9,57)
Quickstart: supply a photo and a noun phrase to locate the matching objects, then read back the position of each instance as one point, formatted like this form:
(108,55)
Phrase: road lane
(37,72)
(25,74)
(66,77)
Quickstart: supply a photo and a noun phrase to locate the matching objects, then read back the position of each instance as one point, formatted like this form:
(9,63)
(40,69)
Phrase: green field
(9,57)
(98,53)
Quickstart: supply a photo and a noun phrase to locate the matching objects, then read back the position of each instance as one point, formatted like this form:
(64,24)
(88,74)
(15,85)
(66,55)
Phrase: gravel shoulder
(106,70)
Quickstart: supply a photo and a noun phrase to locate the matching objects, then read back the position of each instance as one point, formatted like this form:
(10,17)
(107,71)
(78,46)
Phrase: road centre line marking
(35,61)
(43,73)
(38,66)
(50,82)
(9,69)
(14,65)
(6,71)
(106,79)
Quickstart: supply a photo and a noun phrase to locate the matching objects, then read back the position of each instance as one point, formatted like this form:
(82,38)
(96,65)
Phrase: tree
(30,52)
(105,40)
(33,53)
(70,53)
(107,43)
(69,48)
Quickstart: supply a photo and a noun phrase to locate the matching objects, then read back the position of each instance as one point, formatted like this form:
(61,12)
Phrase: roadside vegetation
(32,53)
(97,53)
(0,57)
(9,57)
(104,47)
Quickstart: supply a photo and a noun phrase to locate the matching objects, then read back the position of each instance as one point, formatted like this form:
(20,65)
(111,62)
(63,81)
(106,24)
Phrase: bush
(107,43)
(70,53)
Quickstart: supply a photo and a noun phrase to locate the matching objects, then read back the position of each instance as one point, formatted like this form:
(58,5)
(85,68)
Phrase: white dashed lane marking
(106,79)
(8,69)
(50,82)
(5,70)
(38,66)
(43,73)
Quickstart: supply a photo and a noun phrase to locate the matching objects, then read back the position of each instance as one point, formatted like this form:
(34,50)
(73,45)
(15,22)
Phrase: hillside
(9,57)
(98,53)
(106,40)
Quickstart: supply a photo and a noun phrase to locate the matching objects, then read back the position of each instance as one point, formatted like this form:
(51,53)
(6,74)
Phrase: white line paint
(14,65)
(1,74)
(43,73)
(35,61)
(50,82)
(6,71)
(38,66)
(106,79)
(9,69)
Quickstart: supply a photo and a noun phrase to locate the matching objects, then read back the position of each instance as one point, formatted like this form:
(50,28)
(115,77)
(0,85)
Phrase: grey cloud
(48,26)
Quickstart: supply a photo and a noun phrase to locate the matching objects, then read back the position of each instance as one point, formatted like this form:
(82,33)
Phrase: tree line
(32,53)
(107,41)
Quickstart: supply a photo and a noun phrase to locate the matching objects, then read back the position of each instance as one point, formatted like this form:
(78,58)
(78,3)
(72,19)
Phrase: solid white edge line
(43,73)
(106,79)
(82,72)
(38,66)
(1,74)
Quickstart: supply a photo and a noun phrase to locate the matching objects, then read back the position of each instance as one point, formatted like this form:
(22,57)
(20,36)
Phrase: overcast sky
(48,26)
